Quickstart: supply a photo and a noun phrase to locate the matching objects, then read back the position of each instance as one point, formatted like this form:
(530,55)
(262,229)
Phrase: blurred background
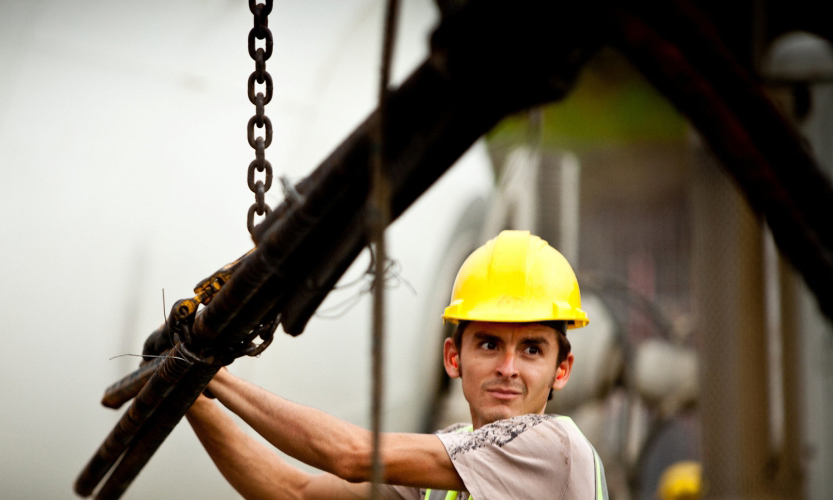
(123,161)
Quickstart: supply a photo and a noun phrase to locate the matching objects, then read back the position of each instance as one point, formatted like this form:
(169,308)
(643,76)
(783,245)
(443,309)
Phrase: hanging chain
(260,31)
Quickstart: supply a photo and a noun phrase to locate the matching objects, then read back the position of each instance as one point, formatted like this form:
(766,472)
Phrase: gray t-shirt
(527,457)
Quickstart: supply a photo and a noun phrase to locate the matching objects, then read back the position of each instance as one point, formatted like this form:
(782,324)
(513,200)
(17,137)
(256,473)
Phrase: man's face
(507,369)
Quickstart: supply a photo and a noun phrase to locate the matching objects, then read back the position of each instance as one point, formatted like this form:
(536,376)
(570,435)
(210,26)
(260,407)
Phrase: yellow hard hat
(516,278)
(681,481)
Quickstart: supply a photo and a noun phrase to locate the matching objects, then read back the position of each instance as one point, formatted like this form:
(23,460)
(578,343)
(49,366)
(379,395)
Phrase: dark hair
(560,328)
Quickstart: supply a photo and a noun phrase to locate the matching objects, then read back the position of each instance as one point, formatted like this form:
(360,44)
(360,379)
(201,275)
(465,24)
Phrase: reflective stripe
(438,495)
(451,495)
(600,476)
(569,421)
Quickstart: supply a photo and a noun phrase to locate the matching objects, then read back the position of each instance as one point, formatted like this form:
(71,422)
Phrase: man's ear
(562,373)
(451,359)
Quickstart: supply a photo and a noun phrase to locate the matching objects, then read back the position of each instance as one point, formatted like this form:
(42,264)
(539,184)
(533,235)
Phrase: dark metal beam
(678,50)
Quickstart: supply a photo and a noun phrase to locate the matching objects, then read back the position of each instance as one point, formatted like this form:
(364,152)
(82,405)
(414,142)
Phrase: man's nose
(507,368)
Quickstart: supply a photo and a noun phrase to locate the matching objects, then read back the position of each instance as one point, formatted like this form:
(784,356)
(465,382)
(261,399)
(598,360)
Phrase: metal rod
(330,263)
(194,380)
(792,467)
(378,219)
(128,387)
(160,385)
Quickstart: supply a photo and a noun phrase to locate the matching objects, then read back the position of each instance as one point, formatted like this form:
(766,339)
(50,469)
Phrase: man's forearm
(256,471)
(335,446)
(341,449)
(252,469)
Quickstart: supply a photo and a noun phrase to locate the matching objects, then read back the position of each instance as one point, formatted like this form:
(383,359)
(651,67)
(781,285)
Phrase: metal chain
(260,31)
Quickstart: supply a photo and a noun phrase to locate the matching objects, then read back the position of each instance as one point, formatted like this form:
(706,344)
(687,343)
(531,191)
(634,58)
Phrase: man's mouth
(504,393)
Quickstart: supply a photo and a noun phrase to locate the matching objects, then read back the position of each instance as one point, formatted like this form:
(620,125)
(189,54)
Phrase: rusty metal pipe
(128,387)
(152,394)
(330,266)
(195,378)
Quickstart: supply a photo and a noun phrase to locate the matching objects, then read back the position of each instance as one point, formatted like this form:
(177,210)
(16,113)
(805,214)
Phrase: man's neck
(478,422)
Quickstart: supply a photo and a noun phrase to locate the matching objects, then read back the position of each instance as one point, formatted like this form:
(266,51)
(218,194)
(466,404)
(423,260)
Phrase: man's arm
(254,470)
(335,446)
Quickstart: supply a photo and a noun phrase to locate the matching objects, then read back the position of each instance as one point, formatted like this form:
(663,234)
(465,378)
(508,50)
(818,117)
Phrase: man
(513,299)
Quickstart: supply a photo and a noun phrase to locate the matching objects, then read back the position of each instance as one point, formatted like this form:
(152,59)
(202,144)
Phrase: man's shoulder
(509,426)
(503,432)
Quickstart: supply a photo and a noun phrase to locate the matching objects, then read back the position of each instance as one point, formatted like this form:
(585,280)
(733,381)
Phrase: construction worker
(513,300)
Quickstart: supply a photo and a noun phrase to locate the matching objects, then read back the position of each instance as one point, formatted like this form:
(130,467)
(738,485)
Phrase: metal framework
(489,58)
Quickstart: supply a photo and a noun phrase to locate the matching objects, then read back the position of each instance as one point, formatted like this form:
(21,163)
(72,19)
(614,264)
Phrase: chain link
(260,31)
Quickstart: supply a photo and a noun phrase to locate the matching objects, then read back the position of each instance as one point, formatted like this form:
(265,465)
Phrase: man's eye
(533,350)
(489,346)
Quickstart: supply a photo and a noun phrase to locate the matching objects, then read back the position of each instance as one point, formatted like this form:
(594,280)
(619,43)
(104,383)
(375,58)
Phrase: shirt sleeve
(525,457)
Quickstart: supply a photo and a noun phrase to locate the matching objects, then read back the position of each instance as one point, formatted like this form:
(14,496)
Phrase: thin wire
(164,308)
(367,272)
(147,356)
(393,279)
(394,273)
(164,311)
(379,217)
